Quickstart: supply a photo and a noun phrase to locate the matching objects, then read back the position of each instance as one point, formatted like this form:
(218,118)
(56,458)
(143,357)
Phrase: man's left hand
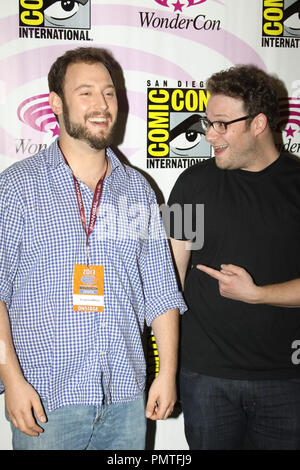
(161,398)
(234,283)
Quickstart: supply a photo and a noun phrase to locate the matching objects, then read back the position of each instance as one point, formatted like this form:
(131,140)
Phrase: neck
(79,153)
(267,153)
(87,164)
(263,153)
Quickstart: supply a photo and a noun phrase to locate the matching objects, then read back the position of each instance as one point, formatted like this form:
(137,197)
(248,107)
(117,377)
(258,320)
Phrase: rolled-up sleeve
(11,229)
(159,279)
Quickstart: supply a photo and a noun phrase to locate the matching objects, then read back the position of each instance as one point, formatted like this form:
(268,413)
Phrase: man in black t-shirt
(240,355)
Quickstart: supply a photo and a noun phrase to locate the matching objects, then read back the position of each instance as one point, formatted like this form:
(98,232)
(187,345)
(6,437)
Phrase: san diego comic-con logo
(175,137)
(55,19)
(281,23)
(151,19)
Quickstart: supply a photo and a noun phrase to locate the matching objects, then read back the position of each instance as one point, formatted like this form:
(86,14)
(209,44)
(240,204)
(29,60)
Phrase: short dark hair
(89,55)
(252,85)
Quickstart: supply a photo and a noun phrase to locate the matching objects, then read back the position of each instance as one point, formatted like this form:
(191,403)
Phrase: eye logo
(55,13)
(36,113)
(187,137)
(291,18)
(61,10)
(178,6)
(67,13)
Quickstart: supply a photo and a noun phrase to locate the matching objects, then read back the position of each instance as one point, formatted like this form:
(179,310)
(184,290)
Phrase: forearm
(181,251)
(166,331)
(285,294)
(21,400)
(162,393)
(10,369)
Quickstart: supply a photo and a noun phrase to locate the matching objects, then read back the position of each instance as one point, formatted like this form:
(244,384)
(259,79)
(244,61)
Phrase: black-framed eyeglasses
(220,126)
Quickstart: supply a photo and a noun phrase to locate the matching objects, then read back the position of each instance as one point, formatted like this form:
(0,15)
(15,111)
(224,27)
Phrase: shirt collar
(54,157)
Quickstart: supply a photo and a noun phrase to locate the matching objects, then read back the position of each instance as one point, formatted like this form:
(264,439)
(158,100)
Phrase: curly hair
(90,55)
(252,85)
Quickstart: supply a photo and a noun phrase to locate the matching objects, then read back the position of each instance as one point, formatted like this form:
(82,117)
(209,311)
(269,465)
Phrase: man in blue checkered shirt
(84,264)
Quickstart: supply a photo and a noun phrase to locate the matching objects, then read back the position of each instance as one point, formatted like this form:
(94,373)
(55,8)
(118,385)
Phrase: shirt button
(103,325)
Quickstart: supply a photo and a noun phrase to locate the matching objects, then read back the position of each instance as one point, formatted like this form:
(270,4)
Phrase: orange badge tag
(88,288)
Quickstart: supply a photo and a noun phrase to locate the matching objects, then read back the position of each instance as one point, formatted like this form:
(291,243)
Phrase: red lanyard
(94,208)
(95,205)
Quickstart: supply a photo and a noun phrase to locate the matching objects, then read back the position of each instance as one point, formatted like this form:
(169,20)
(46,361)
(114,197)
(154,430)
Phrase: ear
(55,103)
(259,123)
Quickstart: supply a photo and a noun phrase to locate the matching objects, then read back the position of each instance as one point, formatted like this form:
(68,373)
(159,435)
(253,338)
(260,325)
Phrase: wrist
(12,379)
(168,373)
(258,297)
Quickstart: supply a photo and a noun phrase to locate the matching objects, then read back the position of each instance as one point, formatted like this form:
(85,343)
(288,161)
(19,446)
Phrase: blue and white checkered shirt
(73,357)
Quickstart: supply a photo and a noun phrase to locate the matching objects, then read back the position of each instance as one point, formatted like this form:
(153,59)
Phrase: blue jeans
(223,414)
(119,426)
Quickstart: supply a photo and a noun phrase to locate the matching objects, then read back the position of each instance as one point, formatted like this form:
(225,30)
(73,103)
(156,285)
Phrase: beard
(80,132)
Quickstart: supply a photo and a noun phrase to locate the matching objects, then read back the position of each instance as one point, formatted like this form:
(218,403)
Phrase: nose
(211,135)
(100,102)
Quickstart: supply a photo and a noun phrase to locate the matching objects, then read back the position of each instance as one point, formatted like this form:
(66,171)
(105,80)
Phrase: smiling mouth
(98,120)
(219,148)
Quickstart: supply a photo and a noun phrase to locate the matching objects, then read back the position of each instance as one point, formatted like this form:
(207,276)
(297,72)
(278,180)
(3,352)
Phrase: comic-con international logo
(175,137)
(55,19)
(281,23)
(173,18)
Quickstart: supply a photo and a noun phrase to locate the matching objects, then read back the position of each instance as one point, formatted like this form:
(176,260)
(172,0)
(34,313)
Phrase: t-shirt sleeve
(184,219)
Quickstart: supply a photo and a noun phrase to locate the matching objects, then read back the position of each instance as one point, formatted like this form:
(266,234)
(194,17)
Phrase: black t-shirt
(252,220)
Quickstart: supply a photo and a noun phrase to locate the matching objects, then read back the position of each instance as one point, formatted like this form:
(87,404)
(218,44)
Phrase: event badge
(88,288)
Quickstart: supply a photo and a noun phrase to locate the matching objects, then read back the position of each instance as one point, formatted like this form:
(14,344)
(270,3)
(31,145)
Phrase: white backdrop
(171,46)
